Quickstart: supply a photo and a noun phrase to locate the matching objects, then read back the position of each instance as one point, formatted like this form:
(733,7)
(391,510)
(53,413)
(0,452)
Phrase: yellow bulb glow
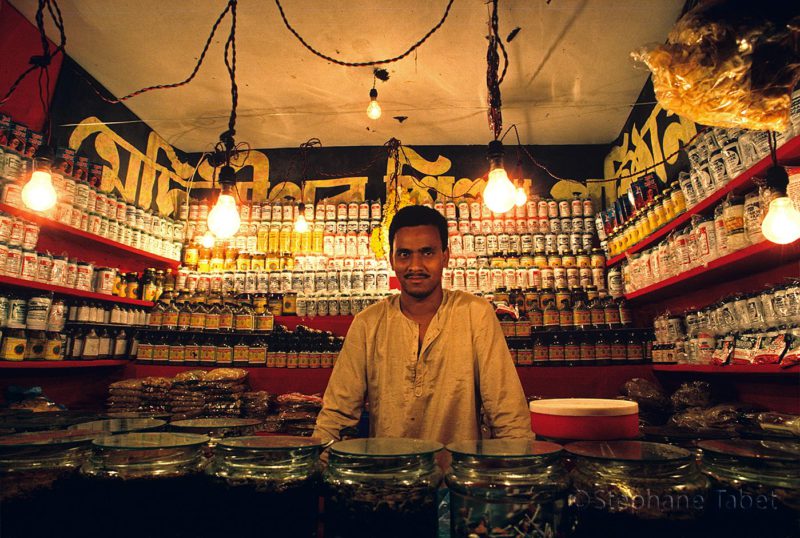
(301,224)
(223,219)
(782,223)
(520,197)
(374,110)
(38,193)
(207,240)
(499,194)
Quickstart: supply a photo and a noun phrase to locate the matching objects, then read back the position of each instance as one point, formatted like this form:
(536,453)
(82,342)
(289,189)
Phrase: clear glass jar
(634,488)
(276,477)
(507,484)
(38,477)
(157,474)
(755,486)
(381,487)
(120,425)
(217,428)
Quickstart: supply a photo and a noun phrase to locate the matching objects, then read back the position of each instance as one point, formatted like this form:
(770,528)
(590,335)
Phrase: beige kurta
(463,364)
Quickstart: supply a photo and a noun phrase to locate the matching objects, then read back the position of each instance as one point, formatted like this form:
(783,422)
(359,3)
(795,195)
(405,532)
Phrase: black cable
(369,63)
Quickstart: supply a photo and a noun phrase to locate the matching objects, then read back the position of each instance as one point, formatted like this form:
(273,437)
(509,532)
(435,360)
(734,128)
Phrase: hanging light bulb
(499,195)
(38,193)
(300,223)
(207,240)
(373,109)
(223,219)
(520,197)
(782,222)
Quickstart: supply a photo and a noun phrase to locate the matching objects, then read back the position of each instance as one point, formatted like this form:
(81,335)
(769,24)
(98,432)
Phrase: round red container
(589,419)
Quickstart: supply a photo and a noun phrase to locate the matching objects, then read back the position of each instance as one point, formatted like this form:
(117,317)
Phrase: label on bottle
(197,320)
(156,317)
(525,356)
(633,351)
(184,317)
(280,359)
(257,355)
(177,354)
(226,321)
(223,355)
(244,321)
(572,352)
(555,352)
(265,322)
(582,317)
(551,317)
(241,354)
(212,321)
(602,351)
(292,359)
(611,315)
(566,318)
(145,352)
(587,351)
(598,317)
(192,352)
(208,354)
(618,352)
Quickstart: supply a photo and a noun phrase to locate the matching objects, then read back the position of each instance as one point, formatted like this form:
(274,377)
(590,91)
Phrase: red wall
(19,40)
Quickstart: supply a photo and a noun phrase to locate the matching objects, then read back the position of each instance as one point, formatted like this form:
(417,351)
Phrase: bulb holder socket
(44,157)
(373,94)
(778,179)
(495,155)
(227,176)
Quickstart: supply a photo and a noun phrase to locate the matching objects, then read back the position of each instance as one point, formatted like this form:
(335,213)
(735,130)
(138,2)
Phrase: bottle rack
(70,292)
(58,237)
(743,182)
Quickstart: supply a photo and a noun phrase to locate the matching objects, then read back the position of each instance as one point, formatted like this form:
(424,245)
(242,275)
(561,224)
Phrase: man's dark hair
(418,215)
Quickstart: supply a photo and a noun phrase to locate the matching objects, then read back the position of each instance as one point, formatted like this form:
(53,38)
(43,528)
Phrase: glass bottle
(241,352)
(582,318)
(176,353)
(555,350)
(244,318)
(208,350)
(213,313)
(572,349)
(257,352)
(602,349)
(634,351)
(161,348)
(611,313)
(597,313)
(226,317)
(184,316)
(625,314)
(197,318)
(223,354)
(619,351)
(191,349)
(364,495)
(587,348)
(550,315)
(169,319)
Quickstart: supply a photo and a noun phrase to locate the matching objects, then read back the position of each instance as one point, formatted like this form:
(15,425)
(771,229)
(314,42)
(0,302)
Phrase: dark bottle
(241,352)
(144,351)
(634,353)
(223,351)
(184,316)
(602,349)
(535,314)
(208,351)
(597,313)
(551,317)
(161,348)
(611,313)
(618,348)
(587,348)
(226,315)
(572,349)
(555,350)
(541,353)
(177,353)
(192,350)
(625,314)
(581,317)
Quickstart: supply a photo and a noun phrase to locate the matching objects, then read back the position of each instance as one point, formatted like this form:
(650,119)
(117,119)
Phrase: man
(428,359)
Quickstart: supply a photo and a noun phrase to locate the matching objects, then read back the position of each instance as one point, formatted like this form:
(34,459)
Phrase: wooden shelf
(754,258)
(30,364)
(771,369)
(56,236)
(70,292)
(743,182)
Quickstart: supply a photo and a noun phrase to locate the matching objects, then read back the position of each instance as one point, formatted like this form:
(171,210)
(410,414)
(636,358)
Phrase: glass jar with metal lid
(755,487)
(114,426)
(39,482)
(381,487)
(159,475)
(634,488)
(507,484)
(276,477)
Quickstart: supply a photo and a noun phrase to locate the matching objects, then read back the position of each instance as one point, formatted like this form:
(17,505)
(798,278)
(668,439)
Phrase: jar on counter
(507,484)
(755,486)
(39,470)
(216,428)
(634,488)
(378,484)
(150,471)
(274,477)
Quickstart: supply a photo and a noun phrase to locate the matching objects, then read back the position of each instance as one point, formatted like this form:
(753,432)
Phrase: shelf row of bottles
(574,348)
(734,225)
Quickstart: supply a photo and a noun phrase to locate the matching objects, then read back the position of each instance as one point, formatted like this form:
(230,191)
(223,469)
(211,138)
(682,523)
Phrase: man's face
(418,260)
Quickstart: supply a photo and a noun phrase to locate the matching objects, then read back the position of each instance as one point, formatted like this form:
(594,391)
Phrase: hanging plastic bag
(730,63)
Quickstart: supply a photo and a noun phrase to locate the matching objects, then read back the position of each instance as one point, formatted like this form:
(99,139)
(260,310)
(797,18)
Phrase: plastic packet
(729,63)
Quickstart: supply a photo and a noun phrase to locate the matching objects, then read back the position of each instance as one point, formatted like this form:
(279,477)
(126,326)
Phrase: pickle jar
(755,486)
(39,476)
(159,475)
(276,477)
(381,487)
(507,484)
(635,488)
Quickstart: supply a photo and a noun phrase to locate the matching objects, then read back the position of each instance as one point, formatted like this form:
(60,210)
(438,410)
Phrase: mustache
(409,275)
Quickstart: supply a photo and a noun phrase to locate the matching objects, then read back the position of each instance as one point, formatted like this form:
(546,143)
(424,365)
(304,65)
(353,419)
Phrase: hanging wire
(495,113)
(413,47)
(42,62)
(231,6)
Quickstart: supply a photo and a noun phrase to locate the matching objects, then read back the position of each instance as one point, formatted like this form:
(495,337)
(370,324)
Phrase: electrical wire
(371,62)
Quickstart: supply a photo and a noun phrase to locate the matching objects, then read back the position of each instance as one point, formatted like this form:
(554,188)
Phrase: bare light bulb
(520,197)
(38,193)
(499,194)
(373,109)
(301,224)
(207,240)
(223,219)
(782,223)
